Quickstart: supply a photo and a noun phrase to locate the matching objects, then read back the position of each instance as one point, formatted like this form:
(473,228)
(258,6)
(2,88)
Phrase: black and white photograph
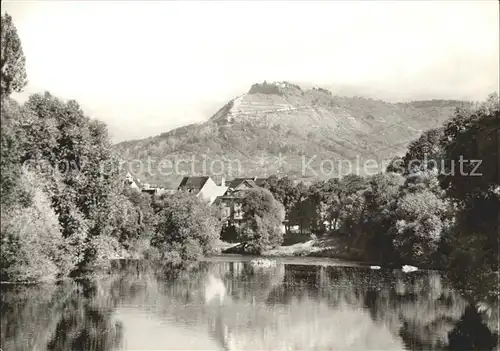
(198,175)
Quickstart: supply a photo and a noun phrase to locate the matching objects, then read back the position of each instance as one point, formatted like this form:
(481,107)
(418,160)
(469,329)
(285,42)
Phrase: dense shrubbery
(67,150)
(75,211)
(33,247)
(185,228)
(263,218)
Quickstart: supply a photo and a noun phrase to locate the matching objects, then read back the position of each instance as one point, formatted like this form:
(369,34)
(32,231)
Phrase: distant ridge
(275,126)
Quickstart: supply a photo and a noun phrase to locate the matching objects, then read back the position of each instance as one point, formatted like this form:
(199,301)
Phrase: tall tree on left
(13,61)
(13,73)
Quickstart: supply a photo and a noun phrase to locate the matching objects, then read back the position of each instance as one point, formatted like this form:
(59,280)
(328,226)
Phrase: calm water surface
(226,304)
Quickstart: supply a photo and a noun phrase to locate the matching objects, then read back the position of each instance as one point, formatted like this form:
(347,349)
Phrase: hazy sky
(147,67)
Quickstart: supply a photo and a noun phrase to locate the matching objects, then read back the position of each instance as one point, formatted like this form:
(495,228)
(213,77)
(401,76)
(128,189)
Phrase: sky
(145,67)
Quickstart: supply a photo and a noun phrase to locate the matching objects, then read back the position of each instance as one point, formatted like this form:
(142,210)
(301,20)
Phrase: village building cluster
(226,197)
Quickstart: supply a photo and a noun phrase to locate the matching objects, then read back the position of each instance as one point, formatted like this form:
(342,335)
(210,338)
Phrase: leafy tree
(75,167)
(425,152)
(315,206)
(340,193)
(13,71)
(419,225)
(185,228)
(74,155)
(81,169)
(13,62)
(396,165)
(10,151)
(473,135)
(143,203)
(299,214)
(263,218)
(424,180)
(378,219)
(285,192)
(33,247)
(351,216)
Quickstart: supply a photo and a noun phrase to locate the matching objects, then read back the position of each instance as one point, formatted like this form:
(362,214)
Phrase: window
(238,213)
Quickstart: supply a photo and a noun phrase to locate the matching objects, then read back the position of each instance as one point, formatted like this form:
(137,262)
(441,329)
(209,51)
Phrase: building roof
(237,181)
(260,181)
(237,195)
(193,183)
(250,183)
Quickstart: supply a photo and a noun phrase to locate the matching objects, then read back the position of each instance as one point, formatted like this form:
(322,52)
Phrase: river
(226,304)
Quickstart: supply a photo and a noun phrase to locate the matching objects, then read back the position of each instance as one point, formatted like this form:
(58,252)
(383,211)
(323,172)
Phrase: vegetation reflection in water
(232,305)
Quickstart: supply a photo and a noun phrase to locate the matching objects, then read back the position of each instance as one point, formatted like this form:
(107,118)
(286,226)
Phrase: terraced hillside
(281,128)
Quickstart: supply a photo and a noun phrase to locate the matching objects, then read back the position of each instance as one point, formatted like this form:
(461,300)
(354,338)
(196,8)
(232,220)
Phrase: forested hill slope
(280,128)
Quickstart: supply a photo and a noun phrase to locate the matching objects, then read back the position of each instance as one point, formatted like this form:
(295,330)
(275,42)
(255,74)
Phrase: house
(235,183)
(230,204)
(203,187)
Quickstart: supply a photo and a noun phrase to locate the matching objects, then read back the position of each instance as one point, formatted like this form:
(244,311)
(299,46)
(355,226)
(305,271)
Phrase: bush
(33,248)
(263,218)
(419,226)
(185,228)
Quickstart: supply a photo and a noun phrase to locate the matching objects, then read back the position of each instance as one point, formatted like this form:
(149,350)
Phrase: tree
(33,247)
(10,151)
(341,193)
(472,181)
(424,153)
(79,162)
(420,222)
(378,219)
(71,157)
(472,136)
(13,62)
(315,206)
(185,228)
(74,155)
(299,214)
(396,165)
(285,192)
(263,218)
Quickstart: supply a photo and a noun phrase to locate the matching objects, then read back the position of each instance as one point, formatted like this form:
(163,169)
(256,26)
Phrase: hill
(281,128)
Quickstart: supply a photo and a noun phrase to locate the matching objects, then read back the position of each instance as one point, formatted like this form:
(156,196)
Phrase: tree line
(437,205)
(65,208)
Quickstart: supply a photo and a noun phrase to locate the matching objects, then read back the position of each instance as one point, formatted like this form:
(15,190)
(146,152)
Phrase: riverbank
(307,246)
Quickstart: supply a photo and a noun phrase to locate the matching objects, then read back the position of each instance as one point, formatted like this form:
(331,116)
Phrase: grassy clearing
(300,245)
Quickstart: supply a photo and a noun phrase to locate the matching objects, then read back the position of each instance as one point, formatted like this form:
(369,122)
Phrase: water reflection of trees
(422,309)
(86,323)
(68,316)
(30,314)
(471,333)
(304,306)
